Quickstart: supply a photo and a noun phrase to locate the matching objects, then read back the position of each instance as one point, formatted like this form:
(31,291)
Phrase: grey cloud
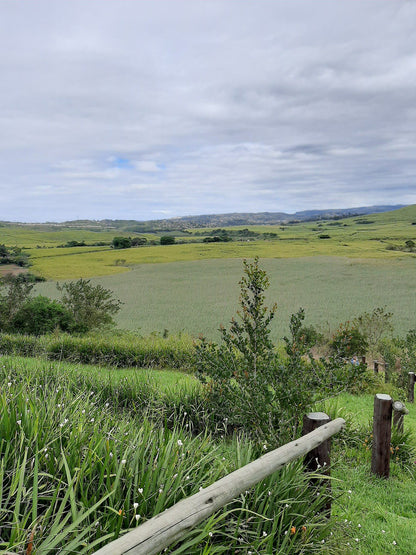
(217,107)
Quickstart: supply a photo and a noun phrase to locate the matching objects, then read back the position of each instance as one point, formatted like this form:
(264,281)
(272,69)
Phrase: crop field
(196,297)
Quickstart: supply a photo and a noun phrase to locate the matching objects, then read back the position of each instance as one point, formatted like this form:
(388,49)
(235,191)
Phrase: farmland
(101,432)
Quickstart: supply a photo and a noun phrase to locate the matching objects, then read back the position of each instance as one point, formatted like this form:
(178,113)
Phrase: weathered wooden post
(386,372)
(375,366)
(411,388)
(380,460)
(399,410)
(363,360)
(320,457)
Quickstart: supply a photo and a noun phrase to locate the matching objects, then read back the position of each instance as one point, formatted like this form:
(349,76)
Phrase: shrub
(41,315)
(167,240)
(121,242)
(348,341)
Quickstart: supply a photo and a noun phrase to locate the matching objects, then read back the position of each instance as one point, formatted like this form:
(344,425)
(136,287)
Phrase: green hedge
(120,350)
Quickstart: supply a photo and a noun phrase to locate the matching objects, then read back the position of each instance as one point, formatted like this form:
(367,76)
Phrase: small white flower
(92,419)
(123,461)
(210,534)
(187,478)
(180,443)
(9,384)
(264,446)
(135,505)
(185,413)
(383,531)
(201,488)
(394,543)
(140,490)
(349,491)
(322,541)
(18,422)
(357,540)
(83,411)
(359,526)
(107,405)
(160,490)
(270,493)
(110,454)
(137,517)
(46,456)
(175,476)
(264,534)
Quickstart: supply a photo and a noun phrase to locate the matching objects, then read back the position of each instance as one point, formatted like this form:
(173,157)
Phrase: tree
(138,241)
(167,240)
(121,243)
(92,306)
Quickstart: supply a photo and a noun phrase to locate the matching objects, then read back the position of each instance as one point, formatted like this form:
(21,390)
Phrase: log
(160,531)
(380,460)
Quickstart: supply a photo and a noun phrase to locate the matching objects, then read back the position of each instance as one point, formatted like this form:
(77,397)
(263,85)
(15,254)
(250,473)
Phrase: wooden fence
(160,531)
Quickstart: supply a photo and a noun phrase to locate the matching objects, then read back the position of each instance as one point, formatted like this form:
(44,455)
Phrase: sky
(149,109)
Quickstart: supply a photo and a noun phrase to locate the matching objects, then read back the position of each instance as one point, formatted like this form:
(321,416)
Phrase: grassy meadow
(197,296)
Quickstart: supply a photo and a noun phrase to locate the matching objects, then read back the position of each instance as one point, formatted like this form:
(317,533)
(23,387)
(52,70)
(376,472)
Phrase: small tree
(92,306)
(121,243)
(167,240)
(238,373)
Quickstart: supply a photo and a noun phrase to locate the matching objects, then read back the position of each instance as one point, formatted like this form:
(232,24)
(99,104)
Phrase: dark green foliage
(121,243)
(13,255)
(91,306)
(348,342)
(167,240)
(42,315)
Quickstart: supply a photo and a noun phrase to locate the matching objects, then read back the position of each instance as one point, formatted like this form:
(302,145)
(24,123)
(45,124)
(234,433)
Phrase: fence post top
(317,416)
(383,397)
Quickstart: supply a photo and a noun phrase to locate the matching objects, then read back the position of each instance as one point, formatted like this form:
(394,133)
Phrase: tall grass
(76,471)
(121,350)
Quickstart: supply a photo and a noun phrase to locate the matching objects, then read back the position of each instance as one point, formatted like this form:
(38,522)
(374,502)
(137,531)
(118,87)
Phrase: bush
(41,315)
(348,342)
(167,240)
(121,242)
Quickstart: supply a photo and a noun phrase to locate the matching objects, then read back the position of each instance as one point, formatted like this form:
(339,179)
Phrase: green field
(370,236)
(198,296)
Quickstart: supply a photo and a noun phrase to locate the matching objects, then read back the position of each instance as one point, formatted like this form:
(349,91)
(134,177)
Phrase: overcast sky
(145,109)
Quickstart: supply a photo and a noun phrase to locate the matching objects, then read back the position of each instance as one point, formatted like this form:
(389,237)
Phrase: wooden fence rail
(160,531)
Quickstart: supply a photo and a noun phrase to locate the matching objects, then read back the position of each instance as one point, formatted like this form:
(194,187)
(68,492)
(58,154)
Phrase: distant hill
(260,218)
(215,220)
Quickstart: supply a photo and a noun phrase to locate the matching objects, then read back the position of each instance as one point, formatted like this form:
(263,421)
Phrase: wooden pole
(160,531)
(380,460)
(411,388)
(386,372)
(320,457)
(375,366)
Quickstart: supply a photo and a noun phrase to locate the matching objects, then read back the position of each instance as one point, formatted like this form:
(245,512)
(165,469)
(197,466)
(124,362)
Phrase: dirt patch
(12,269)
